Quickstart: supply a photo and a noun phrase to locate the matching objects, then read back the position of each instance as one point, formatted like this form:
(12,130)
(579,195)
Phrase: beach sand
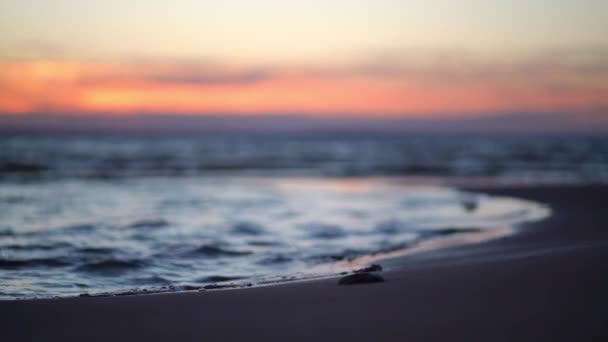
(549,282)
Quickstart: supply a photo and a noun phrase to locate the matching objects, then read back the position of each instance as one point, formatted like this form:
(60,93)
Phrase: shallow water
(75,235)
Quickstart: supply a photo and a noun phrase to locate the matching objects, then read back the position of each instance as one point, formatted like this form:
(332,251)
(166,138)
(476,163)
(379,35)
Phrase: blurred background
(468,66)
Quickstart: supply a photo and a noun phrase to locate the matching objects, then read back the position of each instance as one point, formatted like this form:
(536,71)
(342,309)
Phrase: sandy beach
(547,282)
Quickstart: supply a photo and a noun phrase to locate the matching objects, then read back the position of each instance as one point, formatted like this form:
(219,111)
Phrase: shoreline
(464,230)
(547,281)
(318,272)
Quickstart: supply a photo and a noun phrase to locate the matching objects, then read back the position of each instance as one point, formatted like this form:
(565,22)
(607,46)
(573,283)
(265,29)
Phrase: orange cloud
(392,90)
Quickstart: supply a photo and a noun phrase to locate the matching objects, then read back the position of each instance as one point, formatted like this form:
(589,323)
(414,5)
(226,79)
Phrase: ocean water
(109,214)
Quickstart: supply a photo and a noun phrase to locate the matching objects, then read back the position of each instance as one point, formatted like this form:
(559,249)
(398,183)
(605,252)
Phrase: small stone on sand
(360,278)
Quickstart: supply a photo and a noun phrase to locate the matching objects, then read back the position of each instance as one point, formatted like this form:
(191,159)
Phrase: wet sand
(547,282)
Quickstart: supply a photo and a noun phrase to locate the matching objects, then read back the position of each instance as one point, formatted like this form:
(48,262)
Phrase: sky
(365,58)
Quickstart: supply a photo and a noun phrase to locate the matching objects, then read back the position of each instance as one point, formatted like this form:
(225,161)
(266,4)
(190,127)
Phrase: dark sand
(547,283)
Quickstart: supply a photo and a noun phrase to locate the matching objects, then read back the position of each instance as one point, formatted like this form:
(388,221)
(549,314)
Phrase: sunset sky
(397,58)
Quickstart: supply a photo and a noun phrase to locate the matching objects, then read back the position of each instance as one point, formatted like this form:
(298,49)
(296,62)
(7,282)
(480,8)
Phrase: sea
(102,215)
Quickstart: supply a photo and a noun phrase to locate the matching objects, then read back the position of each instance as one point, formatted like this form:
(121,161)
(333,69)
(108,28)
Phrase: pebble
(360,278)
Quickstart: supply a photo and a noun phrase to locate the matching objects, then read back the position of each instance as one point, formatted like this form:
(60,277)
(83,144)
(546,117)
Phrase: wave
(216,251)
(557,159)
(108,237)
(33,263)
(111,266)
(148,224)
